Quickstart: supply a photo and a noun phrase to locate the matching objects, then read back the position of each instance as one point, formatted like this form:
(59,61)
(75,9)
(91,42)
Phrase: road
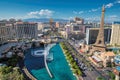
(90,75)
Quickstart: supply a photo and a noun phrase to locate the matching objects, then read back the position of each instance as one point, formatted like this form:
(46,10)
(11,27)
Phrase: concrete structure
(57,25)
(74,28)
(40,27)
(100,44)
(13,30)
(26,30)
(87,26)
(102,58)
(92,33)
(64,34)
(5,32)
(98,53)
(52,24)
(79,20)
(115,36)
(96,24)
(46,27)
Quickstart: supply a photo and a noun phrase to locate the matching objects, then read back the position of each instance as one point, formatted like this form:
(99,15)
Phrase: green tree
(9,73)
(5,69)
(112,75)
(100,78)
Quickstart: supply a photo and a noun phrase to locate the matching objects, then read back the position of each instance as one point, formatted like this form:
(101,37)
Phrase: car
(106,71)
(84,75)
(85,68)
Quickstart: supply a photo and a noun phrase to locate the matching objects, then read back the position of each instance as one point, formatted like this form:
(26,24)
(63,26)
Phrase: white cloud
(118,1)
(68,18)
(96,18)
(75,12)
(93,10)
(46,12)
(89,11)
(113,16)
(41,13)
(80,12)
(33,13)
(109,5)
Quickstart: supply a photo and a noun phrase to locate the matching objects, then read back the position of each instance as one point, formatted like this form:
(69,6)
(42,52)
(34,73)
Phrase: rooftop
(98,28)
(25,23)
(116,22)
(96,58)
(108,54)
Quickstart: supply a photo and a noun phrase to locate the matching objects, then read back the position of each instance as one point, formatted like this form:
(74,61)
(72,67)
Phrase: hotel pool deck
(58,66)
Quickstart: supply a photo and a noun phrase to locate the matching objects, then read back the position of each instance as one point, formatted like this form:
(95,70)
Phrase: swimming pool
(58,66)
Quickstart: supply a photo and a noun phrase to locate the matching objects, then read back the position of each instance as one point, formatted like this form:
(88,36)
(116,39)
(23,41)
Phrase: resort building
(74,28)
(102,59)
(26,30)
(96,24)
(57,25)
(45,27)
(40,27)
(84,48)
(115,36)
(79,20)
(92,33)
(64,34)
(5,32)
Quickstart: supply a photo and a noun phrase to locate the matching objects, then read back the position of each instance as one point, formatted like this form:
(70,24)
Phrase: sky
(64,9)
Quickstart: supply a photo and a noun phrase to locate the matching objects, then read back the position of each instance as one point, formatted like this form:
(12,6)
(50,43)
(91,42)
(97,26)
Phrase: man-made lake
(58,66)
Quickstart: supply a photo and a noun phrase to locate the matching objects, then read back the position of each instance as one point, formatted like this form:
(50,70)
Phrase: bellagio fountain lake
(48,63)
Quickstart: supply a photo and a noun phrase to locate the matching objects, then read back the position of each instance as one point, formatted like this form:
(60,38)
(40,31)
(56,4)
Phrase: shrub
(100,78)
(9,73)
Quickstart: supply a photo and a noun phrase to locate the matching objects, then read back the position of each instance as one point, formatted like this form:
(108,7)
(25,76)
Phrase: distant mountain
(44,20)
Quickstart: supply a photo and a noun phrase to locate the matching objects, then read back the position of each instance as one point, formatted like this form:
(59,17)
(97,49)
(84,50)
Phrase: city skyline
(59,9)
(46,44)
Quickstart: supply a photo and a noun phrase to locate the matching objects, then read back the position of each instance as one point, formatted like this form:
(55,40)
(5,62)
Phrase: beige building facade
(26,30)
(5,32)
(102,58)
(115,36)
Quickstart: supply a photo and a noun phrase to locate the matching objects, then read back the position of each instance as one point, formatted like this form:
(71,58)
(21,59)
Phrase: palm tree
(100,78)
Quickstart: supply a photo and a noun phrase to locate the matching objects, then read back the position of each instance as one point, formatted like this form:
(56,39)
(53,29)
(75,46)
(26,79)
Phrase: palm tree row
(69,56)
(80,57)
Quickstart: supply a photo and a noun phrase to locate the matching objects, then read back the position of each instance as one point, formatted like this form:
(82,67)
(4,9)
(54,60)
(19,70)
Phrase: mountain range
(44,20)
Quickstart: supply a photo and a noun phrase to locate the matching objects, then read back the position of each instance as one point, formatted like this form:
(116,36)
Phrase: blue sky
(65,9)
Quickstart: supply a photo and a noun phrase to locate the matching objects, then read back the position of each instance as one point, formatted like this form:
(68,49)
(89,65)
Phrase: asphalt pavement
(89,75)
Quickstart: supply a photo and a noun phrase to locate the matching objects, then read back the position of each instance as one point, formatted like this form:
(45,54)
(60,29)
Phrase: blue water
(58,67)
(118,68)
